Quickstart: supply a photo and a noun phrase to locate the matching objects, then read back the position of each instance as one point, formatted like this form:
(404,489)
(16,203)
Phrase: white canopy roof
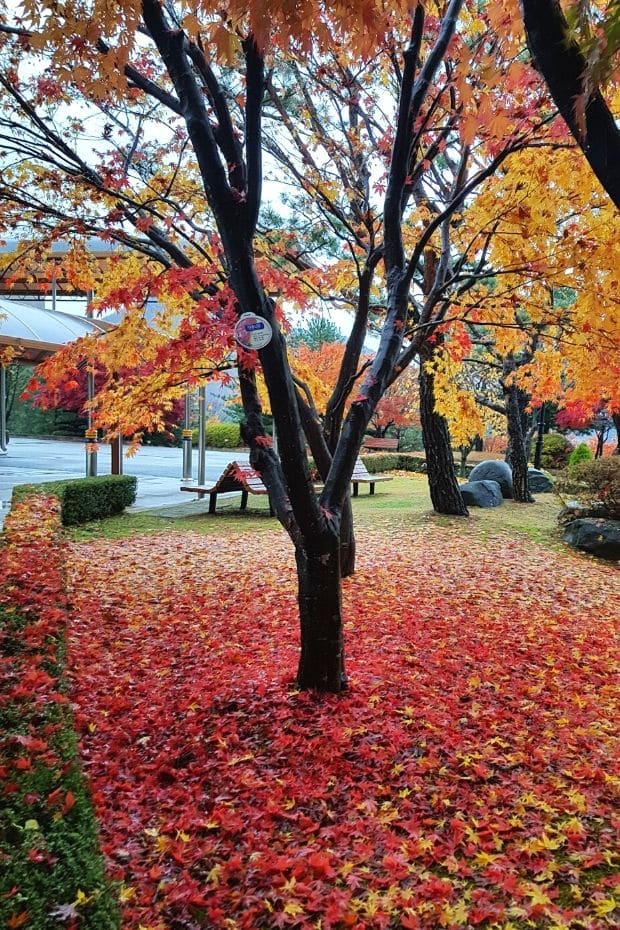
(38,332)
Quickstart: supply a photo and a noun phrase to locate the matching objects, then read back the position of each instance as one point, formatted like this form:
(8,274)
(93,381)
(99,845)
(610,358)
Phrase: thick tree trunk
(563,67)
(322,447)
(321,663)
(445,492)
(516,453)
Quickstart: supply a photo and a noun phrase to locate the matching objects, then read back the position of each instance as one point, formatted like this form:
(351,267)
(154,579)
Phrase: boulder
(482,494)
(494,471)
(538,482)
(597,536)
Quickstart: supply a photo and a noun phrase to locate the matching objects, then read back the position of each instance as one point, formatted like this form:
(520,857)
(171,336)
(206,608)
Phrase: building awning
(38,333)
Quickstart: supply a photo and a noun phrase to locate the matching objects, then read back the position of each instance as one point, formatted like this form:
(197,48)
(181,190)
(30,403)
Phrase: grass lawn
(466,779)
(402,502)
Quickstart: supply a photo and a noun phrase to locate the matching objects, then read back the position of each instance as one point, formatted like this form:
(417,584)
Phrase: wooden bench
(237,476)
(372,444)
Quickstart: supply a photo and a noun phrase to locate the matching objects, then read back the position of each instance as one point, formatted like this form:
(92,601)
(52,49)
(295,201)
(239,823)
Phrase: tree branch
(564,68)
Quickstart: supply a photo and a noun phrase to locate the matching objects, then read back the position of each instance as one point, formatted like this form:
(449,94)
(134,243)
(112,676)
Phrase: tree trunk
(464,450)
(516,454)
(347,539)
(600,444)
(321,663)
(616,418)
(445,492)
(563,66)
(540,429)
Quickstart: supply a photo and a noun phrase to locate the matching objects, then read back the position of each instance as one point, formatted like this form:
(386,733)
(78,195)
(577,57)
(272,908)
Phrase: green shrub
(86,499)
(555,451)
(378,462)
(49,846)
(597,484)
(582,453)
(411,439)
(220,435)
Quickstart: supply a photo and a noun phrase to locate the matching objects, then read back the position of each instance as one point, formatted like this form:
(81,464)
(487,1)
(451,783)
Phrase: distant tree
(315,333)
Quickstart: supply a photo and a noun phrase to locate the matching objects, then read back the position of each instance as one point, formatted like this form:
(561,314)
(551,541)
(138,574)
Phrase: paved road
(158,469)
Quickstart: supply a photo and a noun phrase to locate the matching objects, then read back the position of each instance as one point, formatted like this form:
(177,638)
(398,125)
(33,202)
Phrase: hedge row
(86,499)
(378,462)
(52,872)
(220,435)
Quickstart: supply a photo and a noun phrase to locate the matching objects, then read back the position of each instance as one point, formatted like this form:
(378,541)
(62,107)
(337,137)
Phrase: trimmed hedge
(398,461)
(52,872)
(86,499)
(220,435)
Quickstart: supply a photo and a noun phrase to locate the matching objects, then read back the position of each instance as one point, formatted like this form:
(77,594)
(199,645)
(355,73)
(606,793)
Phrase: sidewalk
(158,469)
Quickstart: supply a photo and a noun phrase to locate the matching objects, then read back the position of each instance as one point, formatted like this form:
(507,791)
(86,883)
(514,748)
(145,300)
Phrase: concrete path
(158,469)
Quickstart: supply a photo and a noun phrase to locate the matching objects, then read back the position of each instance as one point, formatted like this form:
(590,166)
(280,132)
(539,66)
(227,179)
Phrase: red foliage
(463,780)
(495,444)
(31,582)
(575,415)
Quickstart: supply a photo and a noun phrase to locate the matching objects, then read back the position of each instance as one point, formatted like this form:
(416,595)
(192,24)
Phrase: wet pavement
(158,469)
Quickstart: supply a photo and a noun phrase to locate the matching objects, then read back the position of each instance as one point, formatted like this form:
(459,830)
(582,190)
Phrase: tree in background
(579,418)
(314,334)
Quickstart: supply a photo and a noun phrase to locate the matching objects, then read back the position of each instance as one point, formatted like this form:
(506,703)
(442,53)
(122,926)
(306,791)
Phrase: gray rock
(538,482)
(597,536)
(494,471)
(482,493)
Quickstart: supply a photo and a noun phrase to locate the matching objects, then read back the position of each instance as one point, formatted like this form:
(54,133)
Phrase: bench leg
(356,488)
(212,502)
(244,500)
(372,487)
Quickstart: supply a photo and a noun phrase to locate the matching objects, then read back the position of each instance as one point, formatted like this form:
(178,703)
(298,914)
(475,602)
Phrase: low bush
(377,462)
(555,451)
(220,435)
(597,484)
(52,871)
(86,499)
(411,439)
(582,453)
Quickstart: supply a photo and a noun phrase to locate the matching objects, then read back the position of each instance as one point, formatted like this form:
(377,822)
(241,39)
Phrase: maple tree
(191,208)
(399,406)
(577,416)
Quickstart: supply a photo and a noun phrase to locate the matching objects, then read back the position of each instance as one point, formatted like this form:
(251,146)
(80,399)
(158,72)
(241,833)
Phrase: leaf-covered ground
(466,778)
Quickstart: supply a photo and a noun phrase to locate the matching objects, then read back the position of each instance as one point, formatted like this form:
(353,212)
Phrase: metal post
(117,455)
(91,433)
(202,412)
(3,433)
(187,439)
